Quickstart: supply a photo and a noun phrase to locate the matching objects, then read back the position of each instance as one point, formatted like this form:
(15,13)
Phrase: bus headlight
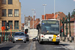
(58,37)
(42,36)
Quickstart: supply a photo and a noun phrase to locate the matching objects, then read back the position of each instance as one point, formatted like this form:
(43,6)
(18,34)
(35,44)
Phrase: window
(10,23)
(10,13)
(3,1)
(16,25)
(16,12)
(3,12)
(9,1)
(4,23)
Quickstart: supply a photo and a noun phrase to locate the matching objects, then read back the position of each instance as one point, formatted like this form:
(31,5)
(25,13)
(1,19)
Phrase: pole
(74,26)
(4,30)
(11,30)
(63,26)
(66,28)
(2,37)
(33,17)
(44,10)
(54,9)
(69,25)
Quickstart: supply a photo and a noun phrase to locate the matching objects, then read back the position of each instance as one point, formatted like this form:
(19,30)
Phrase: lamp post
(44,9)
(33,17)
(54,9)
(74,22)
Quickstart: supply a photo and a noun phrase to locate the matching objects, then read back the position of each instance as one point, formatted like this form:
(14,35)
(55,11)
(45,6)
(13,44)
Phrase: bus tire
(40,42)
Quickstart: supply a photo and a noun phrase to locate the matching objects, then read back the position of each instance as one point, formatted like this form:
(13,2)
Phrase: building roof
(49,16)
(42,17)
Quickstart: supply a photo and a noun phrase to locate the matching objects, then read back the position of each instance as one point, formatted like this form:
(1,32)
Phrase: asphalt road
(31,46)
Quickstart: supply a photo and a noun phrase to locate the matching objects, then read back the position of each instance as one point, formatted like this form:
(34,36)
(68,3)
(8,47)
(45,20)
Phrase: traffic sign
(61,30)
(3,28)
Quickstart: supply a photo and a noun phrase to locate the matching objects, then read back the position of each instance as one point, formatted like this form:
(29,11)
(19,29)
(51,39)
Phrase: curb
(70,46)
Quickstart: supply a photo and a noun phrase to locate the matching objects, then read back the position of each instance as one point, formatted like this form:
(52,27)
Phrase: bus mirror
(38,26)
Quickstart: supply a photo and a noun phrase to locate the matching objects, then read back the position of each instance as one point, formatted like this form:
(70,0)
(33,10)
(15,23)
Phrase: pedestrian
(9,37)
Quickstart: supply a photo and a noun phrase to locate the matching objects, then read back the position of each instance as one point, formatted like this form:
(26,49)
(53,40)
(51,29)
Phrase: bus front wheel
(40,42)
(57,43)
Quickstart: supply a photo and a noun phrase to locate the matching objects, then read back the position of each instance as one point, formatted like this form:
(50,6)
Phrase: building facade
(58,15)
(36,22)
(27,19)
(11,14)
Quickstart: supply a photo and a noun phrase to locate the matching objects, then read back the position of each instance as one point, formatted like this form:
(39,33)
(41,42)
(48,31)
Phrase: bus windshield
(51,27)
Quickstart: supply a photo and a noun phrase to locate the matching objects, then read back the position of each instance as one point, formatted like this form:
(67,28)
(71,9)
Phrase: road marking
(15,47)
(33,47)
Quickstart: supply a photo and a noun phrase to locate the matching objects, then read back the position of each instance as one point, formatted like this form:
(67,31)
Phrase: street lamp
(44,9)
(74,22)
(33,17)
(54,9)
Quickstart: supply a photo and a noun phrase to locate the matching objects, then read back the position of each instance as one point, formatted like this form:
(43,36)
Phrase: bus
(49,30)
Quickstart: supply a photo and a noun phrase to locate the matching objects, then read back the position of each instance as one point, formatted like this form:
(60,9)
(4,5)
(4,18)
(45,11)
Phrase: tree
(73,14)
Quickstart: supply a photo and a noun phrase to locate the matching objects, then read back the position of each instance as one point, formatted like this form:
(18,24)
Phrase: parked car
(35,39)
(27,37)
(19,36)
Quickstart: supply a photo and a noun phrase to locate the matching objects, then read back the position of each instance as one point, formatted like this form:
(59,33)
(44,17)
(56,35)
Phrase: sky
(64,6)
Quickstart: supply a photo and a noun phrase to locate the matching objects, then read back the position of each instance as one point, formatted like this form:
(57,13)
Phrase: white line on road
(15,47)
(33,47)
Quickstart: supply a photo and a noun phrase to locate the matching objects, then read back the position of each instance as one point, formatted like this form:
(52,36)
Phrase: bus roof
(50,19)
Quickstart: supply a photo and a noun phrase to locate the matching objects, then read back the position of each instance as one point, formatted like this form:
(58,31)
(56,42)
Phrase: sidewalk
(69,45)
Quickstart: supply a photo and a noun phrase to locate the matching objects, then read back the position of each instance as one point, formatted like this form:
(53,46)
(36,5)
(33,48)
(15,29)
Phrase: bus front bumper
(47,40)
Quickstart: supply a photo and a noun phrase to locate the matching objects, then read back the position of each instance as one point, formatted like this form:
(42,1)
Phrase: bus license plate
(19,39)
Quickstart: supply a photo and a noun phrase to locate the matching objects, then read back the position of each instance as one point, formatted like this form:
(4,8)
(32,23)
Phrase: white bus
(49,30)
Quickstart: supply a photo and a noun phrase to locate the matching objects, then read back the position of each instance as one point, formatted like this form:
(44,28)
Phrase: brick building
(58,15)
(29,18)
(29,22)
(36,22)
(11,14)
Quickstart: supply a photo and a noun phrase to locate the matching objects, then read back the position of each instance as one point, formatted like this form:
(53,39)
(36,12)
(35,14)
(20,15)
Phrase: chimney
(33,17)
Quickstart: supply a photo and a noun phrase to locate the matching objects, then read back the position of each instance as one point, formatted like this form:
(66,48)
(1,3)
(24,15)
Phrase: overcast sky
(64,6)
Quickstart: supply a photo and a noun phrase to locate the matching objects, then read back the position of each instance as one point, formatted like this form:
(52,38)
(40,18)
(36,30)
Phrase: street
(30,45)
